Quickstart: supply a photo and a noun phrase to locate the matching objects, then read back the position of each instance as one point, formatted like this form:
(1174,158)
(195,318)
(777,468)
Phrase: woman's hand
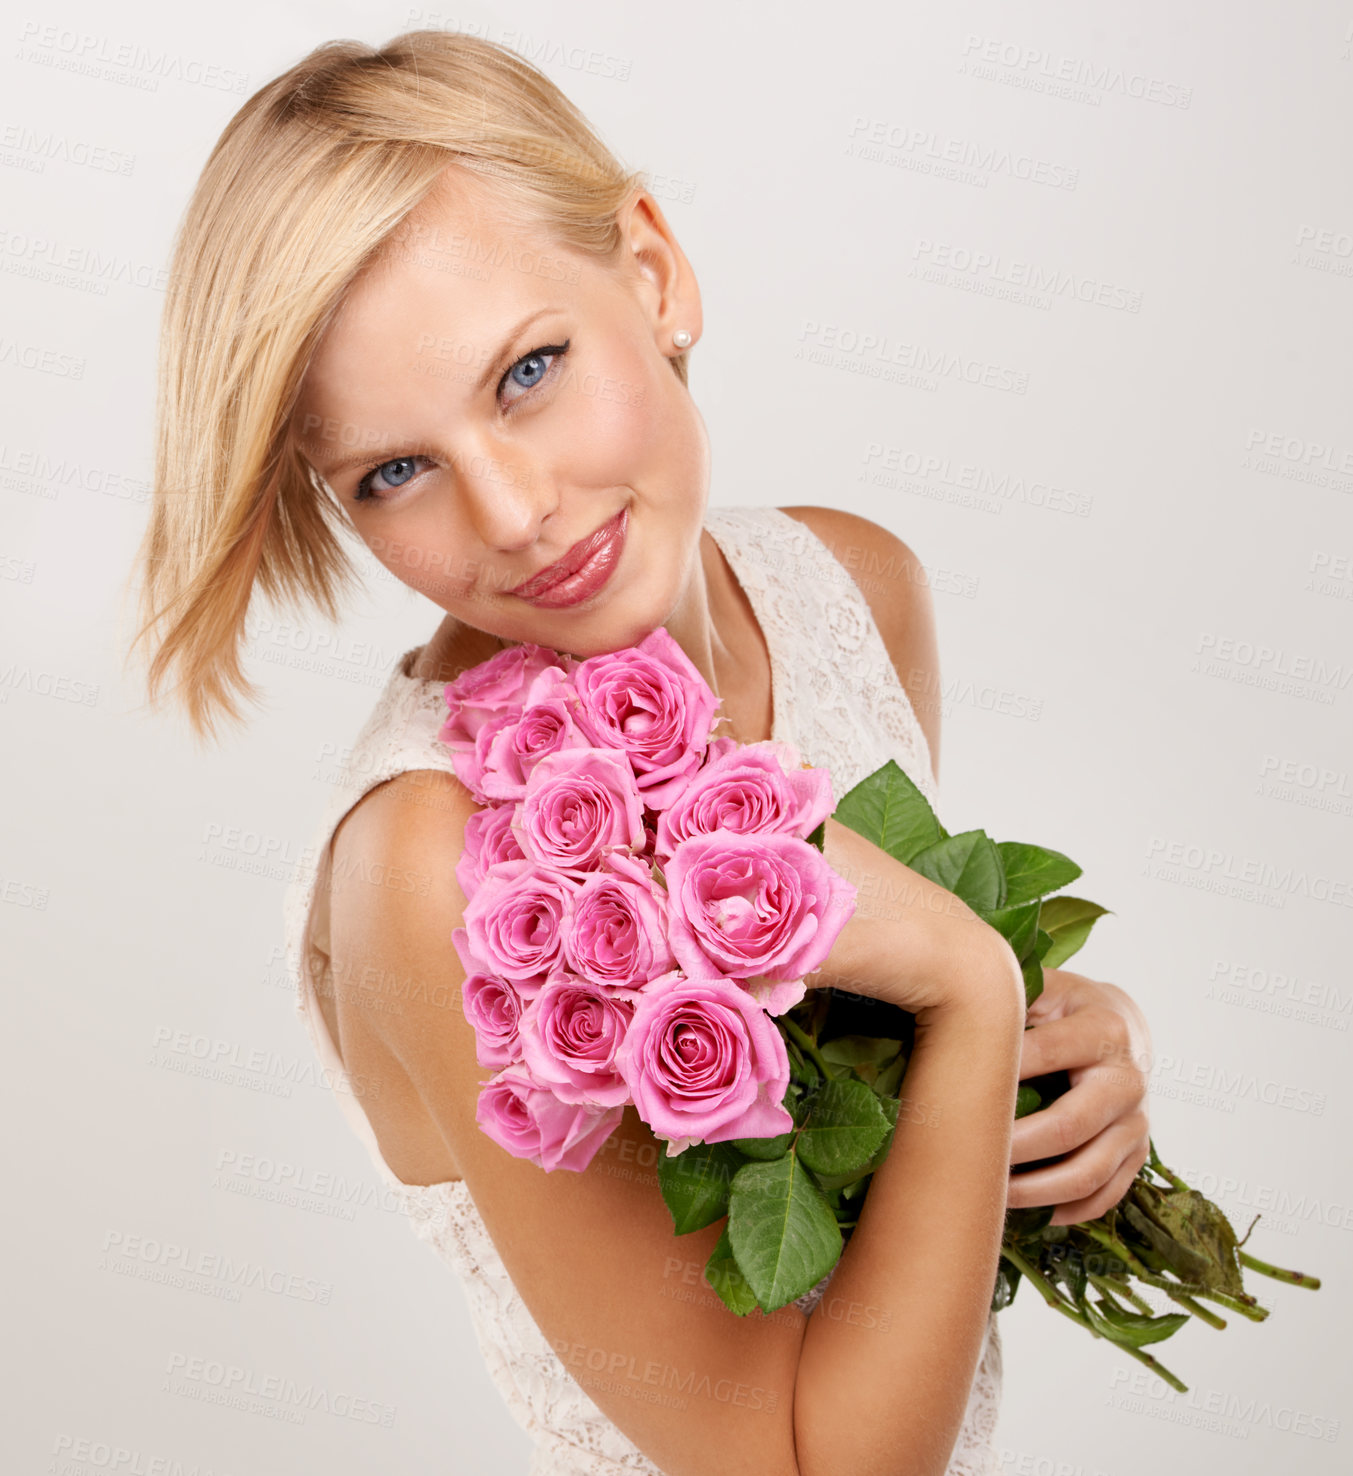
(1098,1036)
(912,943)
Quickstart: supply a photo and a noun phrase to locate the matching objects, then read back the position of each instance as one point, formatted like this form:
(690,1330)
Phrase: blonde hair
(304,186)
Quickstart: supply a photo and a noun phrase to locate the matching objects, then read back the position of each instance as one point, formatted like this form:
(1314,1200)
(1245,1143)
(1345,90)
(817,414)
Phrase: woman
(415,296)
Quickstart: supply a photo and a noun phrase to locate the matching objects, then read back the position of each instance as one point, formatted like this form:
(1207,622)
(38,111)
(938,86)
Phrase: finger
(1096,1099)
(1094,1205)
(1081,1175)
(1085,1038)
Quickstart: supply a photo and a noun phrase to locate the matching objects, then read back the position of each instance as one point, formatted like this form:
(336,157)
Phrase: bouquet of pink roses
(644,900)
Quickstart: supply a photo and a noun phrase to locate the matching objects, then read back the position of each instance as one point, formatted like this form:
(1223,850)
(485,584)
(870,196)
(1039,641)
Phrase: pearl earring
(681,338)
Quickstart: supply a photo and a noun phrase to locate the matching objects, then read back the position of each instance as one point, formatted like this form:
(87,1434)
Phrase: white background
(1183,642)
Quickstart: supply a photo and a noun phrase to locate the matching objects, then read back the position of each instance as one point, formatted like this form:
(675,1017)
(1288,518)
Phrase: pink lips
(582,571)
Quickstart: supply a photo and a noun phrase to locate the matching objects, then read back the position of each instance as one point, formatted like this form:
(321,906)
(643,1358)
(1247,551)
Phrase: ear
(666,283)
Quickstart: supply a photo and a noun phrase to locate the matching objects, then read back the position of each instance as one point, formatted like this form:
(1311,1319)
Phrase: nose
(508,497)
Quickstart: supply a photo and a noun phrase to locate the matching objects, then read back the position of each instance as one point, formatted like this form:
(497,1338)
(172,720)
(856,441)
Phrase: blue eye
(404,470)
(533,367)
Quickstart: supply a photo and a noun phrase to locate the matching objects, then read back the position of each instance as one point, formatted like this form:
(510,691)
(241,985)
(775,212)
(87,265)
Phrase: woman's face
(486,398)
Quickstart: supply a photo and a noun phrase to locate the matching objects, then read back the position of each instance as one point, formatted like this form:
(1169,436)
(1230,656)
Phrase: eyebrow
(372,454)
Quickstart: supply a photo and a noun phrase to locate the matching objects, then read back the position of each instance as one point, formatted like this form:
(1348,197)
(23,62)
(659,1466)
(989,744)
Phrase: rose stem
(806,1043)
(1053,1299)
(1293,1278)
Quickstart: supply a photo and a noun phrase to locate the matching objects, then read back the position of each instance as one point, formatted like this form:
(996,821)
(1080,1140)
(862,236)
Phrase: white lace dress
(836,696)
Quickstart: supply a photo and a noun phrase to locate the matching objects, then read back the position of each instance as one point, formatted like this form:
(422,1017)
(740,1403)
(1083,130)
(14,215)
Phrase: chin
(608,628)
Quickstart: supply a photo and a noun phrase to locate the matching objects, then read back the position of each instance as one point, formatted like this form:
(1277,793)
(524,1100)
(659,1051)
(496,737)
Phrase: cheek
(617,429)
(416,554)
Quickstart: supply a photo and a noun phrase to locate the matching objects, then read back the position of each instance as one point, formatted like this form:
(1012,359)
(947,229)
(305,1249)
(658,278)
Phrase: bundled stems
(1252,1263)
(1054,1299)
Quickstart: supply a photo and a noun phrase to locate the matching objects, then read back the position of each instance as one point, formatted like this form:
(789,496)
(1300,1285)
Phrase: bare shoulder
(893,581)
(593,1255)
(389,872)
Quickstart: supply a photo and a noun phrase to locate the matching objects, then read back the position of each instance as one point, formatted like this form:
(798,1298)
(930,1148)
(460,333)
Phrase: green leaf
(1068,920)
(765,1148)
(833,1183)
(818,837)
(889,1082)
(969,865)
(782,1231)
(1189,1233)
(1007,1282)
(1131,1329)
(1032,969)
(868,1056)
(891,1108)
(695,1184)
(1018,925)
(1212,1231)
(1021,1223)
(1069,1269)
(888,809)
(722,1273)
(844,1128)
(1033,871)
(857,1050)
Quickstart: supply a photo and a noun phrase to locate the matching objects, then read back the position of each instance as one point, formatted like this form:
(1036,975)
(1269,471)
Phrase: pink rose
(468,759)
(578,803)
(651,702)
(618,931)
(757,788)
(484,700)
(531,1122)
(765,909)
(514,923)
(570,1033)
(543,725)
(497,685)
(494,1008)
(489,839)
(705,1063)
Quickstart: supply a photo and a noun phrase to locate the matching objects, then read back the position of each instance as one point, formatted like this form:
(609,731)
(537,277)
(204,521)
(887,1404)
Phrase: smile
(582,571)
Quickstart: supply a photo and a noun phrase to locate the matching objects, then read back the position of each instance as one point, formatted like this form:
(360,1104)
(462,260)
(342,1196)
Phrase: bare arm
(883,1393)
